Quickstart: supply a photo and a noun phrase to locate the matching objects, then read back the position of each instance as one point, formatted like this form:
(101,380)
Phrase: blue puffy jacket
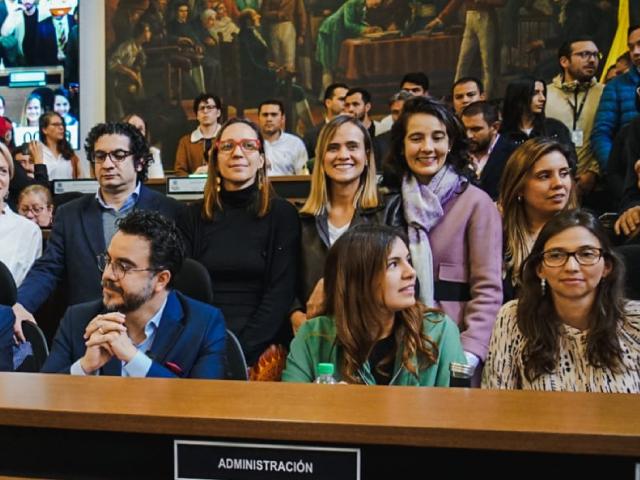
(617,108)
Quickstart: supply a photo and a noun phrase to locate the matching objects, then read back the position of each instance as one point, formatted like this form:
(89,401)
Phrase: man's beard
(130,301)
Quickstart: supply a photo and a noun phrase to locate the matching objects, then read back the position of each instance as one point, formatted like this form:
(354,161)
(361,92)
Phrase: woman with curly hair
(375,331)
(571,329)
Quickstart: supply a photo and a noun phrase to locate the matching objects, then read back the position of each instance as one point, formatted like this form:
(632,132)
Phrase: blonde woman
(36,203)
(343,194)
(20,239)
(537,183)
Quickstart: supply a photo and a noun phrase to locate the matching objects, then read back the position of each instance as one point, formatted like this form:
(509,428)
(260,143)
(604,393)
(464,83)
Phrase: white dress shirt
(286,156)
(20,243)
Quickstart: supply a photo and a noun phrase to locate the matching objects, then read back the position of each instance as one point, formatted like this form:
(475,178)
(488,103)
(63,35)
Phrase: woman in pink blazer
(454,229)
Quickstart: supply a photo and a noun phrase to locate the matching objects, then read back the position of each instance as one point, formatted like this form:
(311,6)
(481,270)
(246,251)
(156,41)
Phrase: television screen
(39,65)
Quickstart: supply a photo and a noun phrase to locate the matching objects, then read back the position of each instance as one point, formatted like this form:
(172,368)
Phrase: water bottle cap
(325,369)
(461,370)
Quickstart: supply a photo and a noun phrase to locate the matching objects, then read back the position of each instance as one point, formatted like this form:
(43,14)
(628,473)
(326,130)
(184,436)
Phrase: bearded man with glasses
(140,327)
(572,98)
(82,229)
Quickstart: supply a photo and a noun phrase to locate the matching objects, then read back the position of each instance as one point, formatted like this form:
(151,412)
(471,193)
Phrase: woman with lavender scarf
(454,228)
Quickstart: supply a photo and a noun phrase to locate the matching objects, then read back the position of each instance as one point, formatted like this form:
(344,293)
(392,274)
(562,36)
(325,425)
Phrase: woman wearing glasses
(58,155)
(571,329)
(36,203)
(247,238)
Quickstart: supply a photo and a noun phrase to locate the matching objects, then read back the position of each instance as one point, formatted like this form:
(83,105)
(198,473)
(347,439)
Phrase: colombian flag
(619,45)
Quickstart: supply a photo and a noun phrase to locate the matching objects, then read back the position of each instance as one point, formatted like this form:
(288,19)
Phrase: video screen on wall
(39,66)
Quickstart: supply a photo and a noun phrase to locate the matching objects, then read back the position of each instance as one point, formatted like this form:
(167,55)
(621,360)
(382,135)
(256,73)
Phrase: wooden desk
(50,422)
(368,61)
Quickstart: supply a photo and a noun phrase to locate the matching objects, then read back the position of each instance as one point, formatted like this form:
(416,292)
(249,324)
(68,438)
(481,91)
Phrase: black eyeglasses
(118,268)
(206,108)
(116,156)
(587,55)
(584,256)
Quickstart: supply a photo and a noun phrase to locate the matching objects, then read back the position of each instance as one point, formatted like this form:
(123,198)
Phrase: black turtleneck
(252,262)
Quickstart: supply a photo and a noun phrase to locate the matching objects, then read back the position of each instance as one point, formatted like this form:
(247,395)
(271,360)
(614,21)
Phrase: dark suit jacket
(6,338)
(47,42)
(191,336)
(311,138)
(76,239)
(492,171)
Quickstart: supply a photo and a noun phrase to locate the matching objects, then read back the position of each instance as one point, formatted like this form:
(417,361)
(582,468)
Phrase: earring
(260,179)
(543,285)
(218,183)
(519,198)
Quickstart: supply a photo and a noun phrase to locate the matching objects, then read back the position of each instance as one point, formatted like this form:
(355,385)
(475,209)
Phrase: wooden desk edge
(413,417)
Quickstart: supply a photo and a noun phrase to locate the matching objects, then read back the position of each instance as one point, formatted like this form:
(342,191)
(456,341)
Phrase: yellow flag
(619,45)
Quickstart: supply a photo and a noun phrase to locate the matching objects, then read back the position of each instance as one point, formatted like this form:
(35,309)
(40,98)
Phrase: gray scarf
(423,207)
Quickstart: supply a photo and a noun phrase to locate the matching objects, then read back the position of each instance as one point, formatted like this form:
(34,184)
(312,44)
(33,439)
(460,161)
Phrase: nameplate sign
(187,188)
(82,186)
(247,461)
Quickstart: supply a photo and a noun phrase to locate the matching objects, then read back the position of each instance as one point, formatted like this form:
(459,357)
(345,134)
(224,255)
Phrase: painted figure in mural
(223,24)
(480,34)
(184,34)
(347,22)
(285,22)
(126,65)
(261,78)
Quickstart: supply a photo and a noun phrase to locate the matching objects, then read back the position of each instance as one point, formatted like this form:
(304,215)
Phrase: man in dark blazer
(84,227)
(52,37)
(489,150)
(140,327)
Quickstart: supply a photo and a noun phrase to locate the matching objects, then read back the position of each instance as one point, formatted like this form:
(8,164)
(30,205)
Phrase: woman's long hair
(367,194)
(212,201)
(64,147)
(517,103)
(517,238)
(538,319)
(458,156)
(353,279)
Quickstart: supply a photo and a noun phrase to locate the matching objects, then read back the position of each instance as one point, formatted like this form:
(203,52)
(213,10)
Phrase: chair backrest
(8,290)
(631,257)
(235,365)
(194,281)
(39,348)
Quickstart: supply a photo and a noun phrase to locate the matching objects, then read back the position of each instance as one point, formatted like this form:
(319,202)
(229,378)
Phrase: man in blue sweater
(619,103)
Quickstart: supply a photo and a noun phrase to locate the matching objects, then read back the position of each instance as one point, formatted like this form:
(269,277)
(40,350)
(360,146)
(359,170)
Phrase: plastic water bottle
(460,375)
(325,373)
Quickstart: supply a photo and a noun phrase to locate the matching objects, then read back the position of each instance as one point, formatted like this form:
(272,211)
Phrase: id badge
(577,137)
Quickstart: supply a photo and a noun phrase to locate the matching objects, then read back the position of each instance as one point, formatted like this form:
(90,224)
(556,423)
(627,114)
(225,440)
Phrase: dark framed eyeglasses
(116,156)
(207,108)
(584,256)
(586,55)
(36,209)
(248,145)
(119,269)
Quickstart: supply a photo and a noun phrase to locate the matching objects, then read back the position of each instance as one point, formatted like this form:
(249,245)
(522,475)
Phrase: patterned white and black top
(504,368)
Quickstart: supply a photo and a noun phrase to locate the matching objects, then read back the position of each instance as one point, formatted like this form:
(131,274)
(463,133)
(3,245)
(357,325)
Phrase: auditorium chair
(194,281)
